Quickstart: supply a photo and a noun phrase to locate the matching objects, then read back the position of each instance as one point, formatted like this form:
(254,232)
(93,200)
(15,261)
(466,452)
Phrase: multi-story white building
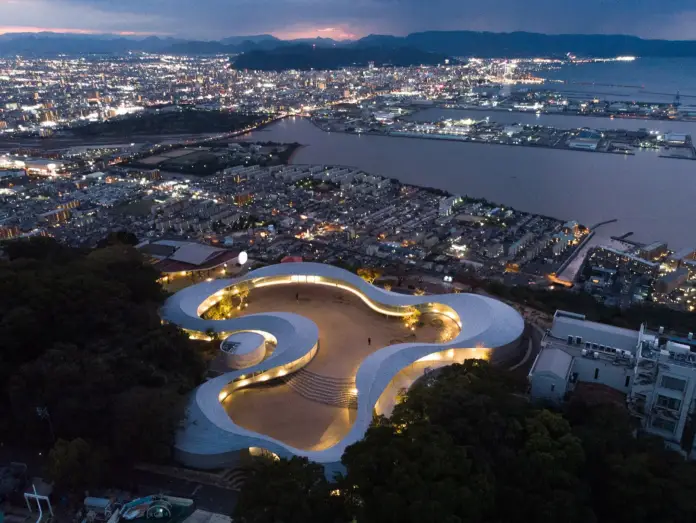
(662,395)
(448,203)
(655,371)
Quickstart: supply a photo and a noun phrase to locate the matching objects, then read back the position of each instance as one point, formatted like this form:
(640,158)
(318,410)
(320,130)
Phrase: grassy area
(187,121)
(139,208)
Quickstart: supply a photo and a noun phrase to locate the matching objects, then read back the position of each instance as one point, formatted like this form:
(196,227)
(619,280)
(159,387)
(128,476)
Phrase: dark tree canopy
(81,338)
(291,491)
(467,446)
(550,301)
(75,465)
(118,238)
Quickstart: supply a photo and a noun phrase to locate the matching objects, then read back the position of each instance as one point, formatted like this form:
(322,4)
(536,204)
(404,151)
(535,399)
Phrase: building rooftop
(569,324)
(555,361)
(195,253)
(211,434)
(654,245)
(178,256)
(681,254)
(631,256)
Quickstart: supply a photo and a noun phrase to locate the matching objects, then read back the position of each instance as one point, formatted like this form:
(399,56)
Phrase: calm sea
(650,196)
(645,79)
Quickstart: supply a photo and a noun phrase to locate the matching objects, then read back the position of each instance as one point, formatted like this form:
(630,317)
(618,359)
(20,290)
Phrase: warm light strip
(286,280)
(359,294)
(364,298)
(267,374)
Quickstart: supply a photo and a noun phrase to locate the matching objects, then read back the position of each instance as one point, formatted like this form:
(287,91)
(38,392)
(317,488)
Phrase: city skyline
(340,19)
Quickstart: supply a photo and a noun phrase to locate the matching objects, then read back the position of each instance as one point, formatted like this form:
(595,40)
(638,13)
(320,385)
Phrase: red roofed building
(187,258)
(291,259)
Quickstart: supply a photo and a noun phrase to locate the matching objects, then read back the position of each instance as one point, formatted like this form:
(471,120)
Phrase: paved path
(207,497)
(349,331)
(532,349)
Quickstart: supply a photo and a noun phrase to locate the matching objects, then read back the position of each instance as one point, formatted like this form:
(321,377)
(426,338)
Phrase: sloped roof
(158,250)
(600,333)
(195,253)
(553,360)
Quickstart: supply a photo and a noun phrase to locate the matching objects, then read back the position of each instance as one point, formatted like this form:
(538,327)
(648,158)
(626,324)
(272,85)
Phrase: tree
(414,473)
(76,464)
(81,333)
(633,479)
(146,411)
(229,305)
(466,445)
(412,318)
(38,248)
(369,274)
(118,238)
(222,310)
(242,296)
(387,286)
(291,491)
(478,406)
(419,292)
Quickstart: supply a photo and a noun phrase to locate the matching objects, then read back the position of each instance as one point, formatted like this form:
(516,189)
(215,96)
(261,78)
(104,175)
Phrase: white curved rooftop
(485,322)
(242,343)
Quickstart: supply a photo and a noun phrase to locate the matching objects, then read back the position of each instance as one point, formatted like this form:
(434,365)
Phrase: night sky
(213,19)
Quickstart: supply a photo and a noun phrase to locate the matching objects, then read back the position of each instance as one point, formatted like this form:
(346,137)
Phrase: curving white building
(211,439)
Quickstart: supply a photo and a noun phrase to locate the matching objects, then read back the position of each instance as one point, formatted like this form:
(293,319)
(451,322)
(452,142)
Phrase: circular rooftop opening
(243,349)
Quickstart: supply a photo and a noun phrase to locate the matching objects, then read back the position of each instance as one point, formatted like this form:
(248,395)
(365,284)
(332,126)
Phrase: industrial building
(654,371)
(585,140)
(35,166)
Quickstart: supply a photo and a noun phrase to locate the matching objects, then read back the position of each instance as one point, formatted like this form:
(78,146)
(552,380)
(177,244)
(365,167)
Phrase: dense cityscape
(194,322)
(46,97)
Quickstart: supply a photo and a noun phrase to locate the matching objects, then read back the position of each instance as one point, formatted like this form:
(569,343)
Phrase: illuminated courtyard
(345,323)
(310,352)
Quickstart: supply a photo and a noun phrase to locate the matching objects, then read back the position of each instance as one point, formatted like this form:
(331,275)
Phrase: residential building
(609,258)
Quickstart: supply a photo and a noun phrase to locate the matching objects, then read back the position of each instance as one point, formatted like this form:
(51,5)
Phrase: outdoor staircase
(337,392)
(235,478)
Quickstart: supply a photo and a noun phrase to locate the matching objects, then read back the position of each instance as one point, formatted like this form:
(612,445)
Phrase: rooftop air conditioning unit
(584,352)
(595,355)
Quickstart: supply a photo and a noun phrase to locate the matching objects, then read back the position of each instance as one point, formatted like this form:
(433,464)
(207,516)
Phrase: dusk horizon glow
(344,19)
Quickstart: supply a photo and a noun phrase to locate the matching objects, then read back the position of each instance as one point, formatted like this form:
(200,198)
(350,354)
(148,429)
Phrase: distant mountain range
(450,43)
(522,44)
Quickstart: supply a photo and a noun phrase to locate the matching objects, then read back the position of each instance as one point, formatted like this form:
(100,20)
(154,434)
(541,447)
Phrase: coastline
(474,142)
(404,161)
(446,138)
(569,256)
(530,146)
(294,152)
(565,113)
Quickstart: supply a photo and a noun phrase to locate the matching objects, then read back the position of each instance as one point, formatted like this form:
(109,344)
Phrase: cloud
(212,19)
(67,16)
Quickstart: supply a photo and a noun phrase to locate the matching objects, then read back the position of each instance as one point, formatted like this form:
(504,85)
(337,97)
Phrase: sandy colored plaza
(345,324)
